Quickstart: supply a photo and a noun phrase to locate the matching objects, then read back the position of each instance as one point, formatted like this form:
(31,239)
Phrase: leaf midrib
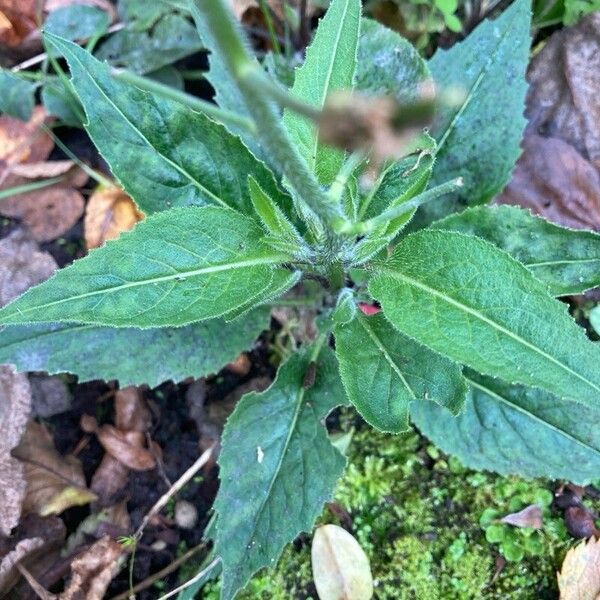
(177,167)
(478,315)
(386,355)
(551,263)
(179,275)
(474,87)
(531,415)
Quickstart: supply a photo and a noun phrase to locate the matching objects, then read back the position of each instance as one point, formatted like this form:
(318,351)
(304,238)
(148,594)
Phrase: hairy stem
(250,80)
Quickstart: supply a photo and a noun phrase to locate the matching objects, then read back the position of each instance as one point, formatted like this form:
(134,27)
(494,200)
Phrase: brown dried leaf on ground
(555,181)
(92,571)
(9,575)
(132,417)
(579,577)
(50,395)
(54,482)
(24,148)
(109,212)
(530,516)
(15,405)
(563,99)
(22,265)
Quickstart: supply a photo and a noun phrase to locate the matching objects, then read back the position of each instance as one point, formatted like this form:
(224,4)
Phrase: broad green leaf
(131,356)
(566,260)
(516,430)
(479,139)
(163,154)
(278,467)
(174,268)
(140,15)
(474,303)
(61,103)
(388,65)
(77,22)
(16,96)
(384,371)
(169,40)
(329,66)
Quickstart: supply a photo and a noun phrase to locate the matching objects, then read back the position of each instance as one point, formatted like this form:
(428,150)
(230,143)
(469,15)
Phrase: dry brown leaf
(18,21)
(45,168)
(340,567)
(125,446)
(22,265)
(8,572)
(92,572)
(109,212)
(579,577)
(15,405)
(563,99)
(530,516)
(54,482)
(555,181)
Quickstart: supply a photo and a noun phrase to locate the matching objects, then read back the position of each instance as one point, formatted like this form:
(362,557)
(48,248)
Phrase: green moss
(430,529)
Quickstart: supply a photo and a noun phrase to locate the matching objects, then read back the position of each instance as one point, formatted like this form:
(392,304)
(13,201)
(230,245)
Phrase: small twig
(170,568)
(41,592)
(193,580)
(35,60)
(162,501)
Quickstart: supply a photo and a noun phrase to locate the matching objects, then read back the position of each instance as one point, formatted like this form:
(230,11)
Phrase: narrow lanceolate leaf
(516,430)
(479,139)
(278,466)
(163,154)
(388,65)
(384,371)
(566,260)
(329,66)
(473,302)
(174,268)
(131,356)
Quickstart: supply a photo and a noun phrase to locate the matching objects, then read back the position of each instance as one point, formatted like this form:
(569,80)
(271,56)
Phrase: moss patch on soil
(425,522)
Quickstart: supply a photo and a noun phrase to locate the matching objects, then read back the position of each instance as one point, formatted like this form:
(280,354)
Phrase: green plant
(239,212)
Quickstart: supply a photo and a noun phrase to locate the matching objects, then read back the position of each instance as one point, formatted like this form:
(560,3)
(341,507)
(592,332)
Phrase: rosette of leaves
(470,340)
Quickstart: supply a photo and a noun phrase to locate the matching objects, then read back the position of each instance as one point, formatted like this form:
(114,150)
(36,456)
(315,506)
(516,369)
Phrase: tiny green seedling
(440,315)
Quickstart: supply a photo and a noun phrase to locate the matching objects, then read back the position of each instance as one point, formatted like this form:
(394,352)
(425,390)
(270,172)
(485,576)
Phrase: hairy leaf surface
(174,268)
(384,371)
(278,467)
(474,303)
(388,65)
(131,356)
(566,260)
(479,139)
(163,154)
(329,66)
(516,430)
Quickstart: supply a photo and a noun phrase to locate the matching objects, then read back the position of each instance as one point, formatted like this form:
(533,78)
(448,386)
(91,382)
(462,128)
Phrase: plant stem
(266,11)
(396,211)
(208,108)
(29,187)
(250,81)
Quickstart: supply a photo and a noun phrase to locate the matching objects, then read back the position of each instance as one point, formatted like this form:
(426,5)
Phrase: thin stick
(35,60)
(193,580)
(162,501)
(146,583)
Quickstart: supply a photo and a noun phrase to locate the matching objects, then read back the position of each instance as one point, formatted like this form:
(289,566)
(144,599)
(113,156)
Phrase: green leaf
(384,372)
(278,467)
(174,268)
(329,66)
(472,302)
(162,153)
(170,40)
(59,101)
(77,22)
(479,139)
(566,260)
(131,356)
(388,65)
(516,430)
(16,96)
